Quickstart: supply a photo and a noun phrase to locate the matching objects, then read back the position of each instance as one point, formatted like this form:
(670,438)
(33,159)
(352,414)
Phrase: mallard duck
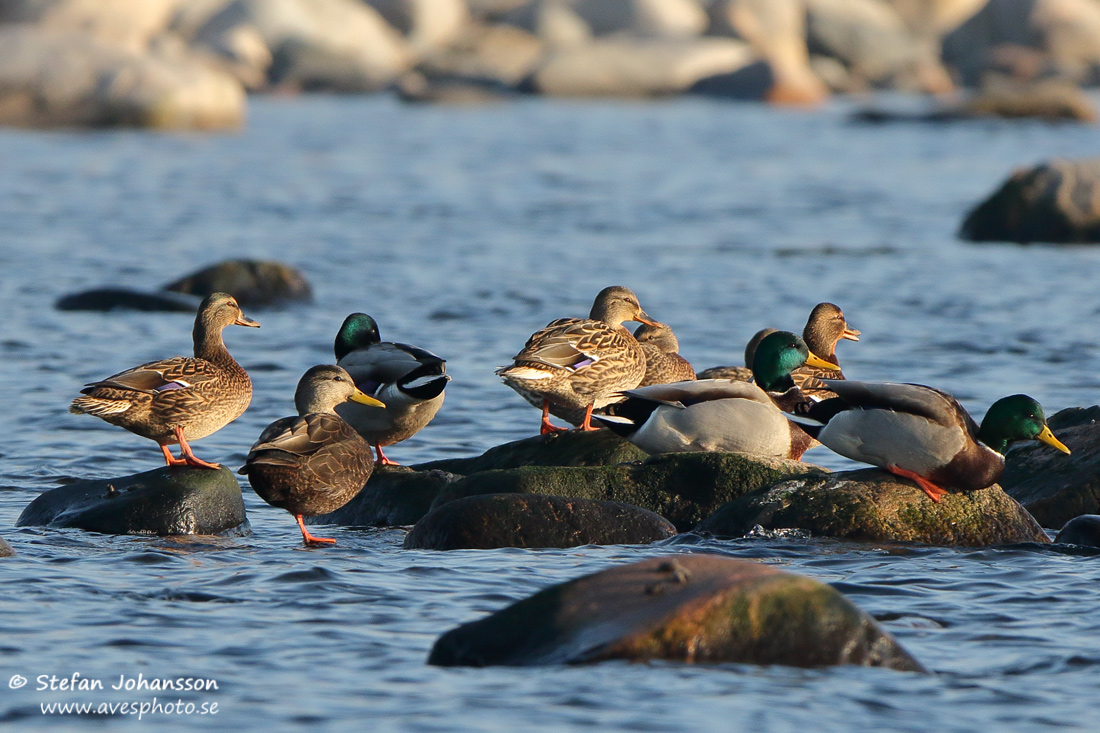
(923,434)
(408,379)
(721,414)
(581,363)
(663,363)
(742,374)
(824,329)
(312,463)
(176,400)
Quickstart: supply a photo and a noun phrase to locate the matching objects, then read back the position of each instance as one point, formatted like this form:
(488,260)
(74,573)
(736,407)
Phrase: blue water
(462,231)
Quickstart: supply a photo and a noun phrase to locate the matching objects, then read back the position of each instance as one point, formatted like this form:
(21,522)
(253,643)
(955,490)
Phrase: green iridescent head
(1014,418)
(358,331)
(779,354)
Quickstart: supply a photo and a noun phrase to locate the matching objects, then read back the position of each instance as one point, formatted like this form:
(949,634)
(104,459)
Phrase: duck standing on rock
(408,379)
(580,364)
(313,463)
(663,363)
(723,414)
(183,398)
(923,434)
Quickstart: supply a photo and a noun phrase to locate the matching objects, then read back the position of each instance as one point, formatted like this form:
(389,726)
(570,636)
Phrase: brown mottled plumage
(824,330)
(315,462)
(663,363)
(581,364)
(175,400)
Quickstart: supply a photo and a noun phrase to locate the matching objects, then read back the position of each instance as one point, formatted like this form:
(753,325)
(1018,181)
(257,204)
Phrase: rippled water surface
(463,230)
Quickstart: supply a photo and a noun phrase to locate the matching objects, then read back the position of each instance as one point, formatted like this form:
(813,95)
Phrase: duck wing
(573,343)
(177,373)
(916,399)
(391,363)
(289,440)
(683,394)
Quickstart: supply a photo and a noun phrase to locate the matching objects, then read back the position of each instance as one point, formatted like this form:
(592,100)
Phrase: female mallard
(313,463)
(179,399)
(663,363)
(581,364)
(722,414)
(408,379)
(824,329)
(924,434)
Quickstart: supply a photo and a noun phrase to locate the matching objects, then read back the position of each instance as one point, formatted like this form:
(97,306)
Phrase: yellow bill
(1048,437)
(816,361)
(365,399)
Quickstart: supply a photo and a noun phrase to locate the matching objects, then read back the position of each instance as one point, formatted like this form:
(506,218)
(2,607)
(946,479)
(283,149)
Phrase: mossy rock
(5,549)
(394,496)
(1083,530)
(571,448)
(1055,487)
(170,500)
(526,520)
(687,608)
(873,505)
(682,487)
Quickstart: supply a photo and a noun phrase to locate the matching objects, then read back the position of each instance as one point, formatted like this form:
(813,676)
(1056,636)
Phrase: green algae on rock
(875,506)
(688,608)
(684,488)
(527,520)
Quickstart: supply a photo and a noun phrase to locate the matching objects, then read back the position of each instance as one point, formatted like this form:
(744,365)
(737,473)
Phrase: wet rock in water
(106,299)
(637,67)
(1055,487)
(688,608)
(571,448)
(1058,201)
(5,549)
(1083,530)
(165,501)
(251,282)
(682,487)
(527,520)
(872,505)
(394,496)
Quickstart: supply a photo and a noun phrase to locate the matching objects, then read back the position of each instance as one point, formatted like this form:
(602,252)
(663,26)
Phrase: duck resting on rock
(409,380)
(663,363)
(723,414)
(175,400)
(580,364)
(924,434)
(313,463)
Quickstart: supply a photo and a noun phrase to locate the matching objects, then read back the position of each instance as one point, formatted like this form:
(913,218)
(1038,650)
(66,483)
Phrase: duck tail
(425,382)
(98,406)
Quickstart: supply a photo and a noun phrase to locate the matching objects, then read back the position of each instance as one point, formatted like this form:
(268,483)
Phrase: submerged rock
(1058,201)
(873,505)
(1083,530)
(688,608)
(1055,487)
(394,496)
(526,520)
(682,487)
(251,282)
(106,299)
(5,549)
(165,501)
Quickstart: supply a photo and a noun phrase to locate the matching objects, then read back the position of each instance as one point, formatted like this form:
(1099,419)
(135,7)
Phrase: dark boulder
(251,282)
(165,501)
(106,299)
(682,487)
(5,549)
(527,520)
(1083,530)
(688,608)
(1058,201)
(571,448)
(872,505)
(1055,487)
(394,496)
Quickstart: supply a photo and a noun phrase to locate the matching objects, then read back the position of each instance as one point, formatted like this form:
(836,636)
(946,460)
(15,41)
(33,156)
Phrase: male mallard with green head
(923,434)
(175,400)
(313,463)
(581,363)
(410,380)
(722,414)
